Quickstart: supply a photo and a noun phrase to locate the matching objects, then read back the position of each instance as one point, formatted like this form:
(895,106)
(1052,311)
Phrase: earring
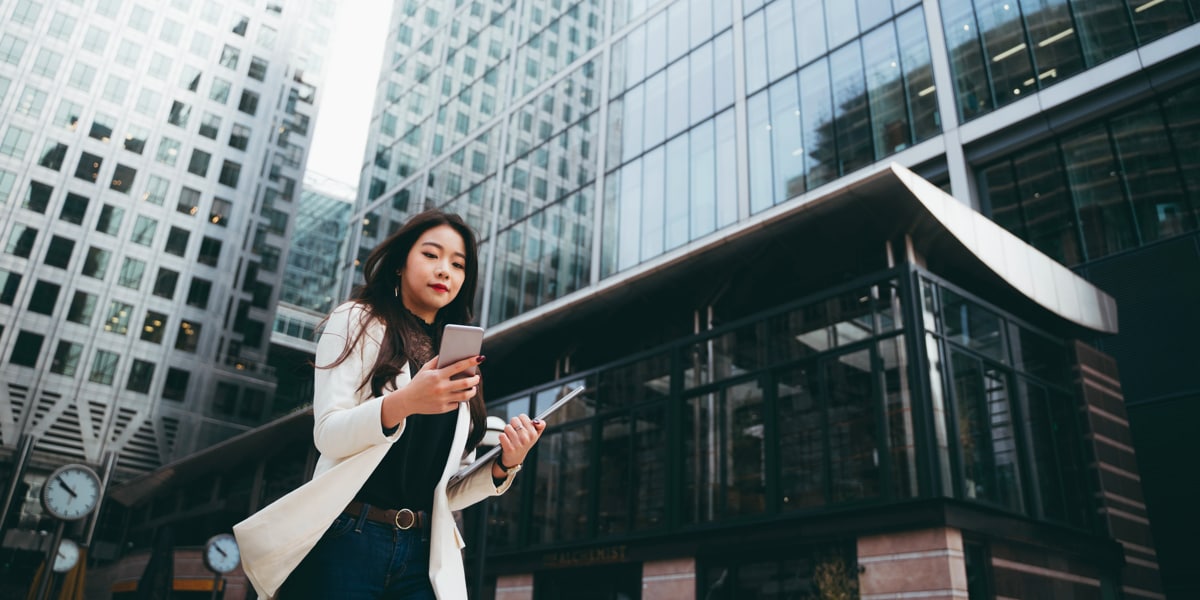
(396,290)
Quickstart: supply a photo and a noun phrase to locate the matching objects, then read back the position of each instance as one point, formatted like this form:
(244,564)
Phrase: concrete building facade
(151,156)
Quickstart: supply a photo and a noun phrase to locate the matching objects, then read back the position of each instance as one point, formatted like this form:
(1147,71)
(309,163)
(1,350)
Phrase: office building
(663,180)
(809,369)
(150,160)
(310,287)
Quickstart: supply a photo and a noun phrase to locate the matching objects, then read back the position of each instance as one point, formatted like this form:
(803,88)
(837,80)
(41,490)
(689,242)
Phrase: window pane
(82,307)
(188,337)
(801,440)
(810,30)
(973,326)
(985,432)
(918,74)
(1046,203)
(165,282)
(853,436)
(1148,167)
(1183,120)
(58,253)
(723,445)
(1054,40)
(1005,49)
(758,130)
(131,273)
(153,327)
(44,297)
(26,348)
(1104,29)
(850,108)
(1154,19)
(885,91)
(756,52)
(786,152)
(141,373)
(971,87)
(563,476)
(119,314)
(104,367)
(1105,215)
(20,240)
(781,45)
(816,110)
(702,184)
(66,358)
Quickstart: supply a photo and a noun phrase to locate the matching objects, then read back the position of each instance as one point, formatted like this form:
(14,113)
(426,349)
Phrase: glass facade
(1119,182)
(311,273)
(596,146)
(1001,49)
(859,93)
(806,409)
(582,139)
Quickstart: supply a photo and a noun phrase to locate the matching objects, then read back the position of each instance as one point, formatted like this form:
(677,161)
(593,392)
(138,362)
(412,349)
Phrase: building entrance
(605,582)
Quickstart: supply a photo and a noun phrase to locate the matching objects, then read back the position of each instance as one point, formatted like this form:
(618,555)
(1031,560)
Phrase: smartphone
(459,342)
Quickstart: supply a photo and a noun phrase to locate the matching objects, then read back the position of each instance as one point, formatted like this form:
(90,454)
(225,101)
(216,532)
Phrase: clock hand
(67,487)
(221,551)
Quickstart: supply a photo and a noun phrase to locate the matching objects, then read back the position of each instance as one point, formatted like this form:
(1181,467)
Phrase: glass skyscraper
(639,172)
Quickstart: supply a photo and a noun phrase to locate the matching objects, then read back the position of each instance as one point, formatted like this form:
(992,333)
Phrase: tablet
(488,457)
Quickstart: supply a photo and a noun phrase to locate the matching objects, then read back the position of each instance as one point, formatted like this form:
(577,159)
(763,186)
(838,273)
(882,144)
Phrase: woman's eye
(459,266)
(429,255)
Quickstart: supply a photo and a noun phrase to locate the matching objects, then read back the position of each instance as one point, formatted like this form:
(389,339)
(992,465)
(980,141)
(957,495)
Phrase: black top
(410,470)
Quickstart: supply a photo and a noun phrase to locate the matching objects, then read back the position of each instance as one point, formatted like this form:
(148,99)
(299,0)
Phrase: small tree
(834,581)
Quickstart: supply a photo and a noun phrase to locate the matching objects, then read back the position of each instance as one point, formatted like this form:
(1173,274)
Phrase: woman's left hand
(518,439)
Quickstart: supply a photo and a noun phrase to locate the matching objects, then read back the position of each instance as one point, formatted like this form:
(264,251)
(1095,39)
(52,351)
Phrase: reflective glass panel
(854,472)
(562,485)
(986,437)
(801,439)
(1148,167)
(1105,215)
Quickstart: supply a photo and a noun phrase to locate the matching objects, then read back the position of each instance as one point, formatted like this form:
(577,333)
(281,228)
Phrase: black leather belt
(403,518)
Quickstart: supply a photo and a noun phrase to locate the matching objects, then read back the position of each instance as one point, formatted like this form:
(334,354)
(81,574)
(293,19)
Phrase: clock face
(67,556)
(71,492)
(221,553)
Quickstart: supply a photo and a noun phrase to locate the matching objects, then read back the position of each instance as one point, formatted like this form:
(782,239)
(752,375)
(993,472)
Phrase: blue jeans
(358,559)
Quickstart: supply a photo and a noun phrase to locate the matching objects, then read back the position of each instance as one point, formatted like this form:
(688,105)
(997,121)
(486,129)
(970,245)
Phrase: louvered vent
(64,436)
(98,411)
(42,408)
(124,416)
(141,451)
(18,399)
(170,429)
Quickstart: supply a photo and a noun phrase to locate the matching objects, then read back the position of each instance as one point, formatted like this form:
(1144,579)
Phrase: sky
(352,71)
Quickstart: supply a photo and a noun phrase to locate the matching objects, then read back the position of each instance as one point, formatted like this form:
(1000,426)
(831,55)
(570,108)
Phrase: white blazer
(349,436)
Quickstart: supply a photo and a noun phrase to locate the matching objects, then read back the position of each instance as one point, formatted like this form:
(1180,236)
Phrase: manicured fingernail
(537,421)
(479,358)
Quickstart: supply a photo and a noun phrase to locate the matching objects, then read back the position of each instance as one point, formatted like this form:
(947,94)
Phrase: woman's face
(434,272)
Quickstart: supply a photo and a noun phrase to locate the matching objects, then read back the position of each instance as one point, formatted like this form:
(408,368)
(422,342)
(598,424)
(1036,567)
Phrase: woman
(391,428)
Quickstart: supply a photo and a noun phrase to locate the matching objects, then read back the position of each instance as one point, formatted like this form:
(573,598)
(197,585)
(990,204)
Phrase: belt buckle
(412,519)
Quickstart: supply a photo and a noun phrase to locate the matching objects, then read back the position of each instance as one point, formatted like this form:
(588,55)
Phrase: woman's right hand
(432,391)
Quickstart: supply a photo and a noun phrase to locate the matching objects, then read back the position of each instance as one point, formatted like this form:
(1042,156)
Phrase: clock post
(221,556)
(70,494)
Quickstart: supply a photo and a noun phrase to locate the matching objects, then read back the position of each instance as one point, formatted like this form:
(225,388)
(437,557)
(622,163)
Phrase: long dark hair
(404,340)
